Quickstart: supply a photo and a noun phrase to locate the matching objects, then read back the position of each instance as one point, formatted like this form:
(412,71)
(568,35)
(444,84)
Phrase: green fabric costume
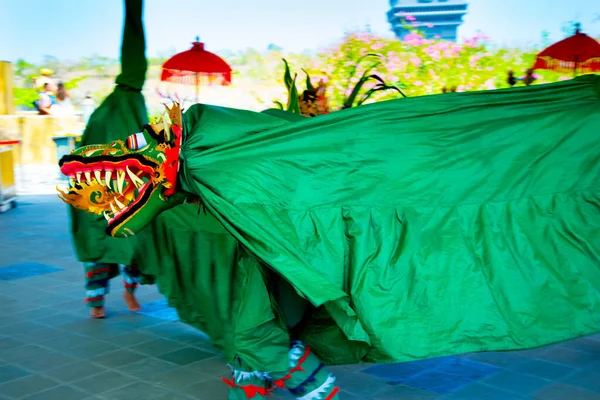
(395,231)
(478,236)
(221,289)
(122,112)
(409,240)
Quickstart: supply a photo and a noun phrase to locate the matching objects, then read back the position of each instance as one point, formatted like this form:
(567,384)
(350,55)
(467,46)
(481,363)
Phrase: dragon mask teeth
(128,181)
(103,191)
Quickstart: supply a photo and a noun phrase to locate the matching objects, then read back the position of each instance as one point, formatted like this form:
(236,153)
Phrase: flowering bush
(417,65)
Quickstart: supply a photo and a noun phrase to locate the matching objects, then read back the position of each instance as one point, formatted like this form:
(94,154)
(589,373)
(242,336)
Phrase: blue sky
(70,29)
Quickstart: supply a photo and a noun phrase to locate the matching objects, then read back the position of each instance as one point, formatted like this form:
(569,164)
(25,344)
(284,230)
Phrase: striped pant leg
(308,378)
(247,384)
(97,277)
(131,277)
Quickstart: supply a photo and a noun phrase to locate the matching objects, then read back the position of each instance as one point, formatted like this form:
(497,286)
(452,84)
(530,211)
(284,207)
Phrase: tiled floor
(50,349)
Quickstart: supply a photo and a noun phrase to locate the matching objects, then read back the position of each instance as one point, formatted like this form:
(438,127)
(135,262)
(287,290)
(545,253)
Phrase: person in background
(121,112)
(97,277)
(39,81)
(63,104)
(88,105)
(47,99)
(529,78)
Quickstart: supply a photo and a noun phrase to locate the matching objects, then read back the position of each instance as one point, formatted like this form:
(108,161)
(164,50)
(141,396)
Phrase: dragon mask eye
(136,141)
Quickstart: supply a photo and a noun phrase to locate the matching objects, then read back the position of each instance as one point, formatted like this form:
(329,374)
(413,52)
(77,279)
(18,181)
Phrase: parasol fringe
(589,66)
(190,78)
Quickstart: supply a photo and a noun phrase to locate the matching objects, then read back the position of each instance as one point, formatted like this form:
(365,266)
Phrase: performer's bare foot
(131,302)
(98,312)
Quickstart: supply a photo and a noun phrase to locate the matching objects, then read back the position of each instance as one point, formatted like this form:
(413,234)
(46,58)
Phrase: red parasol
(196,66)
(575,53)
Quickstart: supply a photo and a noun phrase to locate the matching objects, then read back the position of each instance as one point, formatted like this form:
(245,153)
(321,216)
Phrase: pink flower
(364,36)
(393,60)
(490,84)
(413,39)
(473,42)
(416,61)
(406,76)
(481,36)
(564,78)
(437,37)
(432,52)
(429,25)
(473,60)
(369,85)
(418,83)
(377,46)
(410,18)
(449,54)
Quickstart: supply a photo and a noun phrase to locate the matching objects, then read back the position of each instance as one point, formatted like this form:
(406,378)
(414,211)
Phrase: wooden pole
(197,87)
(7,101)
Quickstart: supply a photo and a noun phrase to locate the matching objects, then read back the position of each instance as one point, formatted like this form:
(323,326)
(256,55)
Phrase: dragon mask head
(129,182)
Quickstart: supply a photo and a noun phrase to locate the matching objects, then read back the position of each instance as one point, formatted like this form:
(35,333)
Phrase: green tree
(100,65)
(546,39)
(274,47)
(24,73)
(54,64)
(568,28)
(25,96)
(23,91)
